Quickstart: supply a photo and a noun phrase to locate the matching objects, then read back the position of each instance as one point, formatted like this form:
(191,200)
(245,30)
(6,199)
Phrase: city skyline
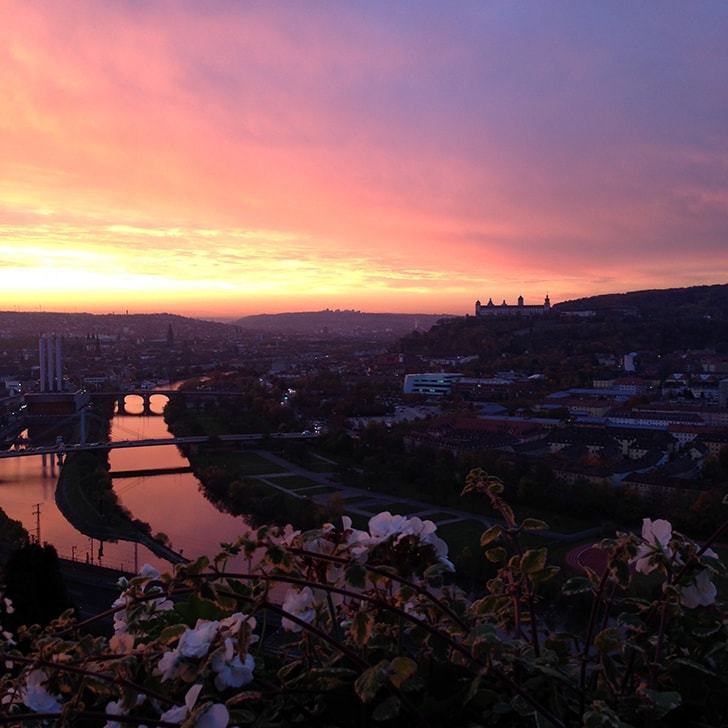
(227,159)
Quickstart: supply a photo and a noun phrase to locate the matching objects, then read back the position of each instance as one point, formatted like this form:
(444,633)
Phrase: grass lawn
(400,509)
(316,465)
(245,463)
(354,500)
(321,489)
(292,482)
(441,516)
(459,535)
(559,522)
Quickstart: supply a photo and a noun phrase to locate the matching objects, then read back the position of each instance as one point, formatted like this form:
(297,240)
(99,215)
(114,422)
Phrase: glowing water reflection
(171,504)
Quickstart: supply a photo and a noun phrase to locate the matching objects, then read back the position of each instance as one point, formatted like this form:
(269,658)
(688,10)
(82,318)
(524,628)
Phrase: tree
(34,584)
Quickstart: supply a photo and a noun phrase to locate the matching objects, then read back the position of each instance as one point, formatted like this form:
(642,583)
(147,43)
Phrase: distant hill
(709,301)
(144,325)
(341,322)
(660,321)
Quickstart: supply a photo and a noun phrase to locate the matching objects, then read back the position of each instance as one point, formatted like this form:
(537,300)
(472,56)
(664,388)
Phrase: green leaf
(383,573)
(507,511)
(400,669)
(368,683)
(664,701)
(195,608)
(548,572)
(622,572)
(361,628)
(631,621)
(490,534)
(495,487)
(534,524)
(490,604)
(170,634)
(608,639)
(242,696)
(601,716)
(610,669)
(577,585)
(276,554)
(694,666)
(560,644)
(386,710)
(521,707)
(705,630)
(356,576)
(496,554)
(533,560)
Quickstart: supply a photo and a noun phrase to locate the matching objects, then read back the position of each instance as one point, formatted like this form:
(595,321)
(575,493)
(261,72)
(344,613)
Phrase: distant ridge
(340,322)
(709,300)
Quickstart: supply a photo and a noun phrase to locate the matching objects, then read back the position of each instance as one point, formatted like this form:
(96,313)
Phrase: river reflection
(171,504)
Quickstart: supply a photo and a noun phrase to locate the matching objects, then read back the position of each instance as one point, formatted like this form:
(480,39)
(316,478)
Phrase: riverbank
(73,504)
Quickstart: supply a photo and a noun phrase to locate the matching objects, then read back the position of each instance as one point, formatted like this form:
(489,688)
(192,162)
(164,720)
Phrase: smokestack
(41,356)
(49,362)
(59,374)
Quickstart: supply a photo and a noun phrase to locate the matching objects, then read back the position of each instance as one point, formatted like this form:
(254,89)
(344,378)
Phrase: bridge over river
(124,397)
(61,449)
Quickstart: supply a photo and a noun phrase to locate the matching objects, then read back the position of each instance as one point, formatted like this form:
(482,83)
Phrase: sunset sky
(227,158)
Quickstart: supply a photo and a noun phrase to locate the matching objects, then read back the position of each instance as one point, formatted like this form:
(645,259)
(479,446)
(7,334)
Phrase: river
(170,503)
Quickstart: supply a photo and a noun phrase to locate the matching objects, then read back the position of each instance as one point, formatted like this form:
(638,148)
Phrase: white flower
(231,626)
(196,642)
(357,541)
(292,539)
(216,716)
(143,610)
(384,525)
(299,604)
(120,623)
(656,536)
(425,531)
(178,714)
(35,695)
(320,543)
(701,592)
(417,527)
(167,664)
(231,672)
(149,572)
(113,708)
(440,547)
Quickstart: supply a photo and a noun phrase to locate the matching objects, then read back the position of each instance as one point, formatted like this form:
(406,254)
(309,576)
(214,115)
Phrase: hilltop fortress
(520,309)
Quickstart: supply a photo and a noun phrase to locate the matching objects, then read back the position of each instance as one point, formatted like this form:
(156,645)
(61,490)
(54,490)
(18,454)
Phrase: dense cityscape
(594,415)
(592,431)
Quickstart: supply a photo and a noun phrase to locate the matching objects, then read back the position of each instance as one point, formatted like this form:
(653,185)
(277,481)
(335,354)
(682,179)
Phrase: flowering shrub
(340,626)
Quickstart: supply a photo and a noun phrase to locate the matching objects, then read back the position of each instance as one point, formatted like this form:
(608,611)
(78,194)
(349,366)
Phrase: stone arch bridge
(145,395)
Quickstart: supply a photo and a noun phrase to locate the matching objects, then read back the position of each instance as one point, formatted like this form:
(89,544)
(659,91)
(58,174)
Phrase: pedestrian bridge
(63,449)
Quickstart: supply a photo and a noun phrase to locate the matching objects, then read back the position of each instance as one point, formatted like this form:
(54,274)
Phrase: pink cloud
(539,145)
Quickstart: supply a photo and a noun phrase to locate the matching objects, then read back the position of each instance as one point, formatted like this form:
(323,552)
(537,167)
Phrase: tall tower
(51,370)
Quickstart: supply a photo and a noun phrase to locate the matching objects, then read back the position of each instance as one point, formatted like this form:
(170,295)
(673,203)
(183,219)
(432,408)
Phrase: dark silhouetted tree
(34,583)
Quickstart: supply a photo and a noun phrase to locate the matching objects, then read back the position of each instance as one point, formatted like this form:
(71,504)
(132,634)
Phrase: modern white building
(435,384)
